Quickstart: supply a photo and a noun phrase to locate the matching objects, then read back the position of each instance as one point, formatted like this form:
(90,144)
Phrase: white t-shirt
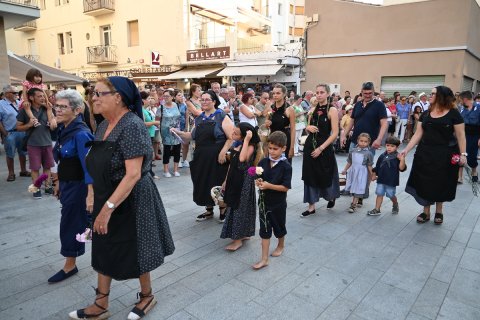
(389,115)
(243,118)
(224,104)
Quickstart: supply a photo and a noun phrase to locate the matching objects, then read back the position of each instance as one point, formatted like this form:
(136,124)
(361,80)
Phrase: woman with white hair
(74,185)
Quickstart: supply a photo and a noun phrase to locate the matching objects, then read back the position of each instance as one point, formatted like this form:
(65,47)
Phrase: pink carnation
(252,171)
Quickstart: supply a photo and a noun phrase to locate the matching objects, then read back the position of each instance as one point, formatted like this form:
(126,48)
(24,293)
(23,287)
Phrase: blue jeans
(13,142)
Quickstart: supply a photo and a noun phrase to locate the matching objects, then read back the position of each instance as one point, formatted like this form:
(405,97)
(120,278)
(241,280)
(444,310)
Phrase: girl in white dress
(359,170)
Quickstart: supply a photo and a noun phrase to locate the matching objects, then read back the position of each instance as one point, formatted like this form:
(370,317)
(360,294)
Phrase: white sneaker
(186,164)
(167,174)
(180,164)
(176,174)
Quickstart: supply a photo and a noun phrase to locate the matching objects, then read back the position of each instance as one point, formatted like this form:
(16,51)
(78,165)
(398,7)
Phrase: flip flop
(424,218)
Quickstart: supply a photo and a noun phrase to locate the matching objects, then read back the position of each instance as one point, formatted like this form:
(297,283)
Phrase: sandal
(25,174)
(438,218)
(137,313)
(11,177)
(104,314)
(221,219)
(422,218)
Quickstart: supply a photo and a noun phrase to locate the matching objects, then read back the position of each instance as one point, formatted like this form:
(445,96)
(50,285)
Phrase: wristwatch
(464,154)
(110,205)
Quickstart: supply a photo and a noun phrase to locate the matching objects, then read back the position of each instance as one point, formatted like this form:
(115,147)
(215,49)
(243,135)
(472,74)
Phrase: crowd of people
(99,151)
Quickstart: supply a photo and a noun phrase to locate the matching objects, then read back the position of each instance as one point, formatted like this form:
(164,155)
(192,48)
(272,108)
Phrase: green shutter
(405,85)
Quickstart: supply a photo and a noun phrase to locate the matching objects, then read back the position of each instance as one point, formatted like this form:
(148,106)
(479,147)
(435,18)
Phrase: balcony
(32,57)
(102,55)
(27,26)
(17,12)
(250,45)
(98,7)
(26,3)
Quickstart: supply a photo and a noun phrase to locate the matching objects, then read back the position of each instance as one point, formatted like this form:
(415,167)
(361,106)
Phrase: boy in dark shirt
(274,183)
(387,174)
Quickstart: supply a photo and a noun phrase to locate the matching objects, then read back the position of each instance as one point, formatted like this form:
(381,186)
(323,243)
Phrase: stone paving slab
(335,266)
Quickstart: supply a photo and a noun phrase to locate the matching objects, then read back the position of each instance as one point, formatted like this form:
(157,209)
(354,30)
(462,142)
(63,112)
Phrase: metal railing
(92,5)
(32,57)
(102,54)
(26,3)
(30,25)
(246,45)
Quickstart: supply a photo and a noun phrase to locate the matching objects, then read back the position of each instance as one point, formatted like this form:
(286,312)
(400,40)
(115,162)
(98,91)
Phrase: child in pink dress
(33,80)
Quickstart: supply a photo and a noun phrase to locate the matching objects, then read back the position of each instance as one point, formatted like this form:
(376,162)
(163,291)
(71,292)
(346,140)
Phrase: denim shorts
(383,190)
(13,142)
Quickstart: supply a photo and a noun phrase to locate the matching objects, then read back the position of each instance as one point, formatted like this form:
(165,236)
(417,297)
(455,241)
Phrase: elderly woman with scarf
(131,235)
(74,180)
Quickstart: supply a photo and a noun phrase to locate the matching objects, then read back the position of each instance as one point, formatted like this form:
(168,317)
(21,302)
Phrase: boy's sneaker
(374,212)
(360,202)
(395,209)
(176,174)
(180,164)
(306,213)
(37,195)
(49,191)
(186,164)
(167,174)
(352,208)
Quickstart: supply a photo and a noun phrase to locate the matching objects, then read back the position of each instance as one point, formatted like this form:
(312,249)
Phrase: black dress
(320,175)
(138,237)
(281,122)
(240,198)
(433,177)
(205,170)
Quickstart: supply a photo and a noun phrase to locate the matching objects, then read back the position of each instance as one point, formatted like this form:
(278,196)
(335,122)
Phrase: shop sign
(208,54)
(133,72)
(155,59)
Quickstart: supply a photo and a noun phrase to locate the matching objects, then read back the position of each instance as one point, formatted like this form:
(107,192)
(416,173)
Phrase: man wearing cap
(422,102)
(306,100)
(11,138)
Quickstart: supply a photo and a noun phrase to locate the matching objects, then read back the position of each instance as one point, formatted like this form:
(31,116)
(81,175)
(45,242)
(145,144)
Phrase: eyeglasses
(205,100)
(14,92)
(61,107)
(433,93)
(167,96)
(103,93)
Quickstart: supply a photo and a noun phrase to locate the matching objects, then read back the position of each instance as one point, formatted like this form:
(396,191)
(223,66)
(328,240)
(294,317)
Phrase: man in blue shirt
(369,116)
(11,138)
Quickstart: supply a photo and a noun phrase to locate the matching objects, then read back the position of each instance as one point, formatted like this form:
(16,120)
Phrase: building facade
(404,46)
(173,44)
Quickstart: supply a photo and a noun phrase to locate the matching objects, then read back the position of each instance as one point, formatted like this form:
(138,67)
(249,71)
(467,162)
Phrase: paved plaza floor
(336,265)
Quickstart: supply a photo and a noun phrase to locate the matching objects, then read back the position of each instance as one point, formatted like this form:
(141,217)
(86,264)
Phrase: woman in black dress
(131,236)
(282,118)
(440,135)
(319,170)
(212,135)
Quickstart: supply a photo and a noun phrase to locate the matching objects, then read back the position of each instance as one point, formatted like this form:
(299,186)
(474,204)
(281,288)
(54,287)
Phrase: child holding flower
(239,186)
(274,183)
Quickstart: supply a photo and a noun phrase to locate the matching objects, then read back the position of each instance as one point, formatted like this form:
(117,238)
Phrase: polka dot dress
(153,236)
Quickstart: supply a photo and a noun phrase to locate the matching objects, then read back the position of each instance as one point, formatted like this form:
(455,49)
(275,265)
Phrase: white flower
(32,188)
(258,171)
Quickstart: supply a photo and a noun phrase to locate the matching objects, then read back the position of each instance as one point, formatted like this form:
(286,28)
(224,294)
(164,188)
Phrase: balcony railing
(210,42)
(98,7)
(26,3)
(32,57)
(246,45)
(102,55)
(27,26)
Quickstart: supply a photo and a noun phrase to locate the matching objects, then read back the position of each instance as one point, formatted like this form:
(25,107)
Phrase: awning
(265,70)
(192,73)
(19,67)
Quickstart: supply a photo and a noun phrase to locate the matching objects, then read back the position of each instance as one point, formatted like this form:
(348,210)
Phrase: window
(133,36)
(299,10)
(42,5)
(58,2)
(61,43)
(106,35)
(291,8)
(69,40)
(279,9)
(298,32)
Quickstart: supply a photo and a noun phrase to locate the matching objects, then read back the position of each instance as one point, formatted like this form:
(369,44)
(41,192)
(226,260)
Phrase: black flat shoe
(307,213)
(331,204)
(438,219)
(422,218)
(62,275)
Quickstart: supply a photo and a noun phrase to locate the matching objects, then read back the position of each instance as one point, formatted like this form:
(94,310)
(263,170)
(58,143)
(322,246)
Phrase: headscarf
(130,94)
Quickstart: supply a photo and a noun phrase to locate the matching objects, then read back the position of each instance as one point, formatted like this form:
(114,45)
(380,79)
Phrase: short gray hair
(6,88)
(223,90)
(74,98)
